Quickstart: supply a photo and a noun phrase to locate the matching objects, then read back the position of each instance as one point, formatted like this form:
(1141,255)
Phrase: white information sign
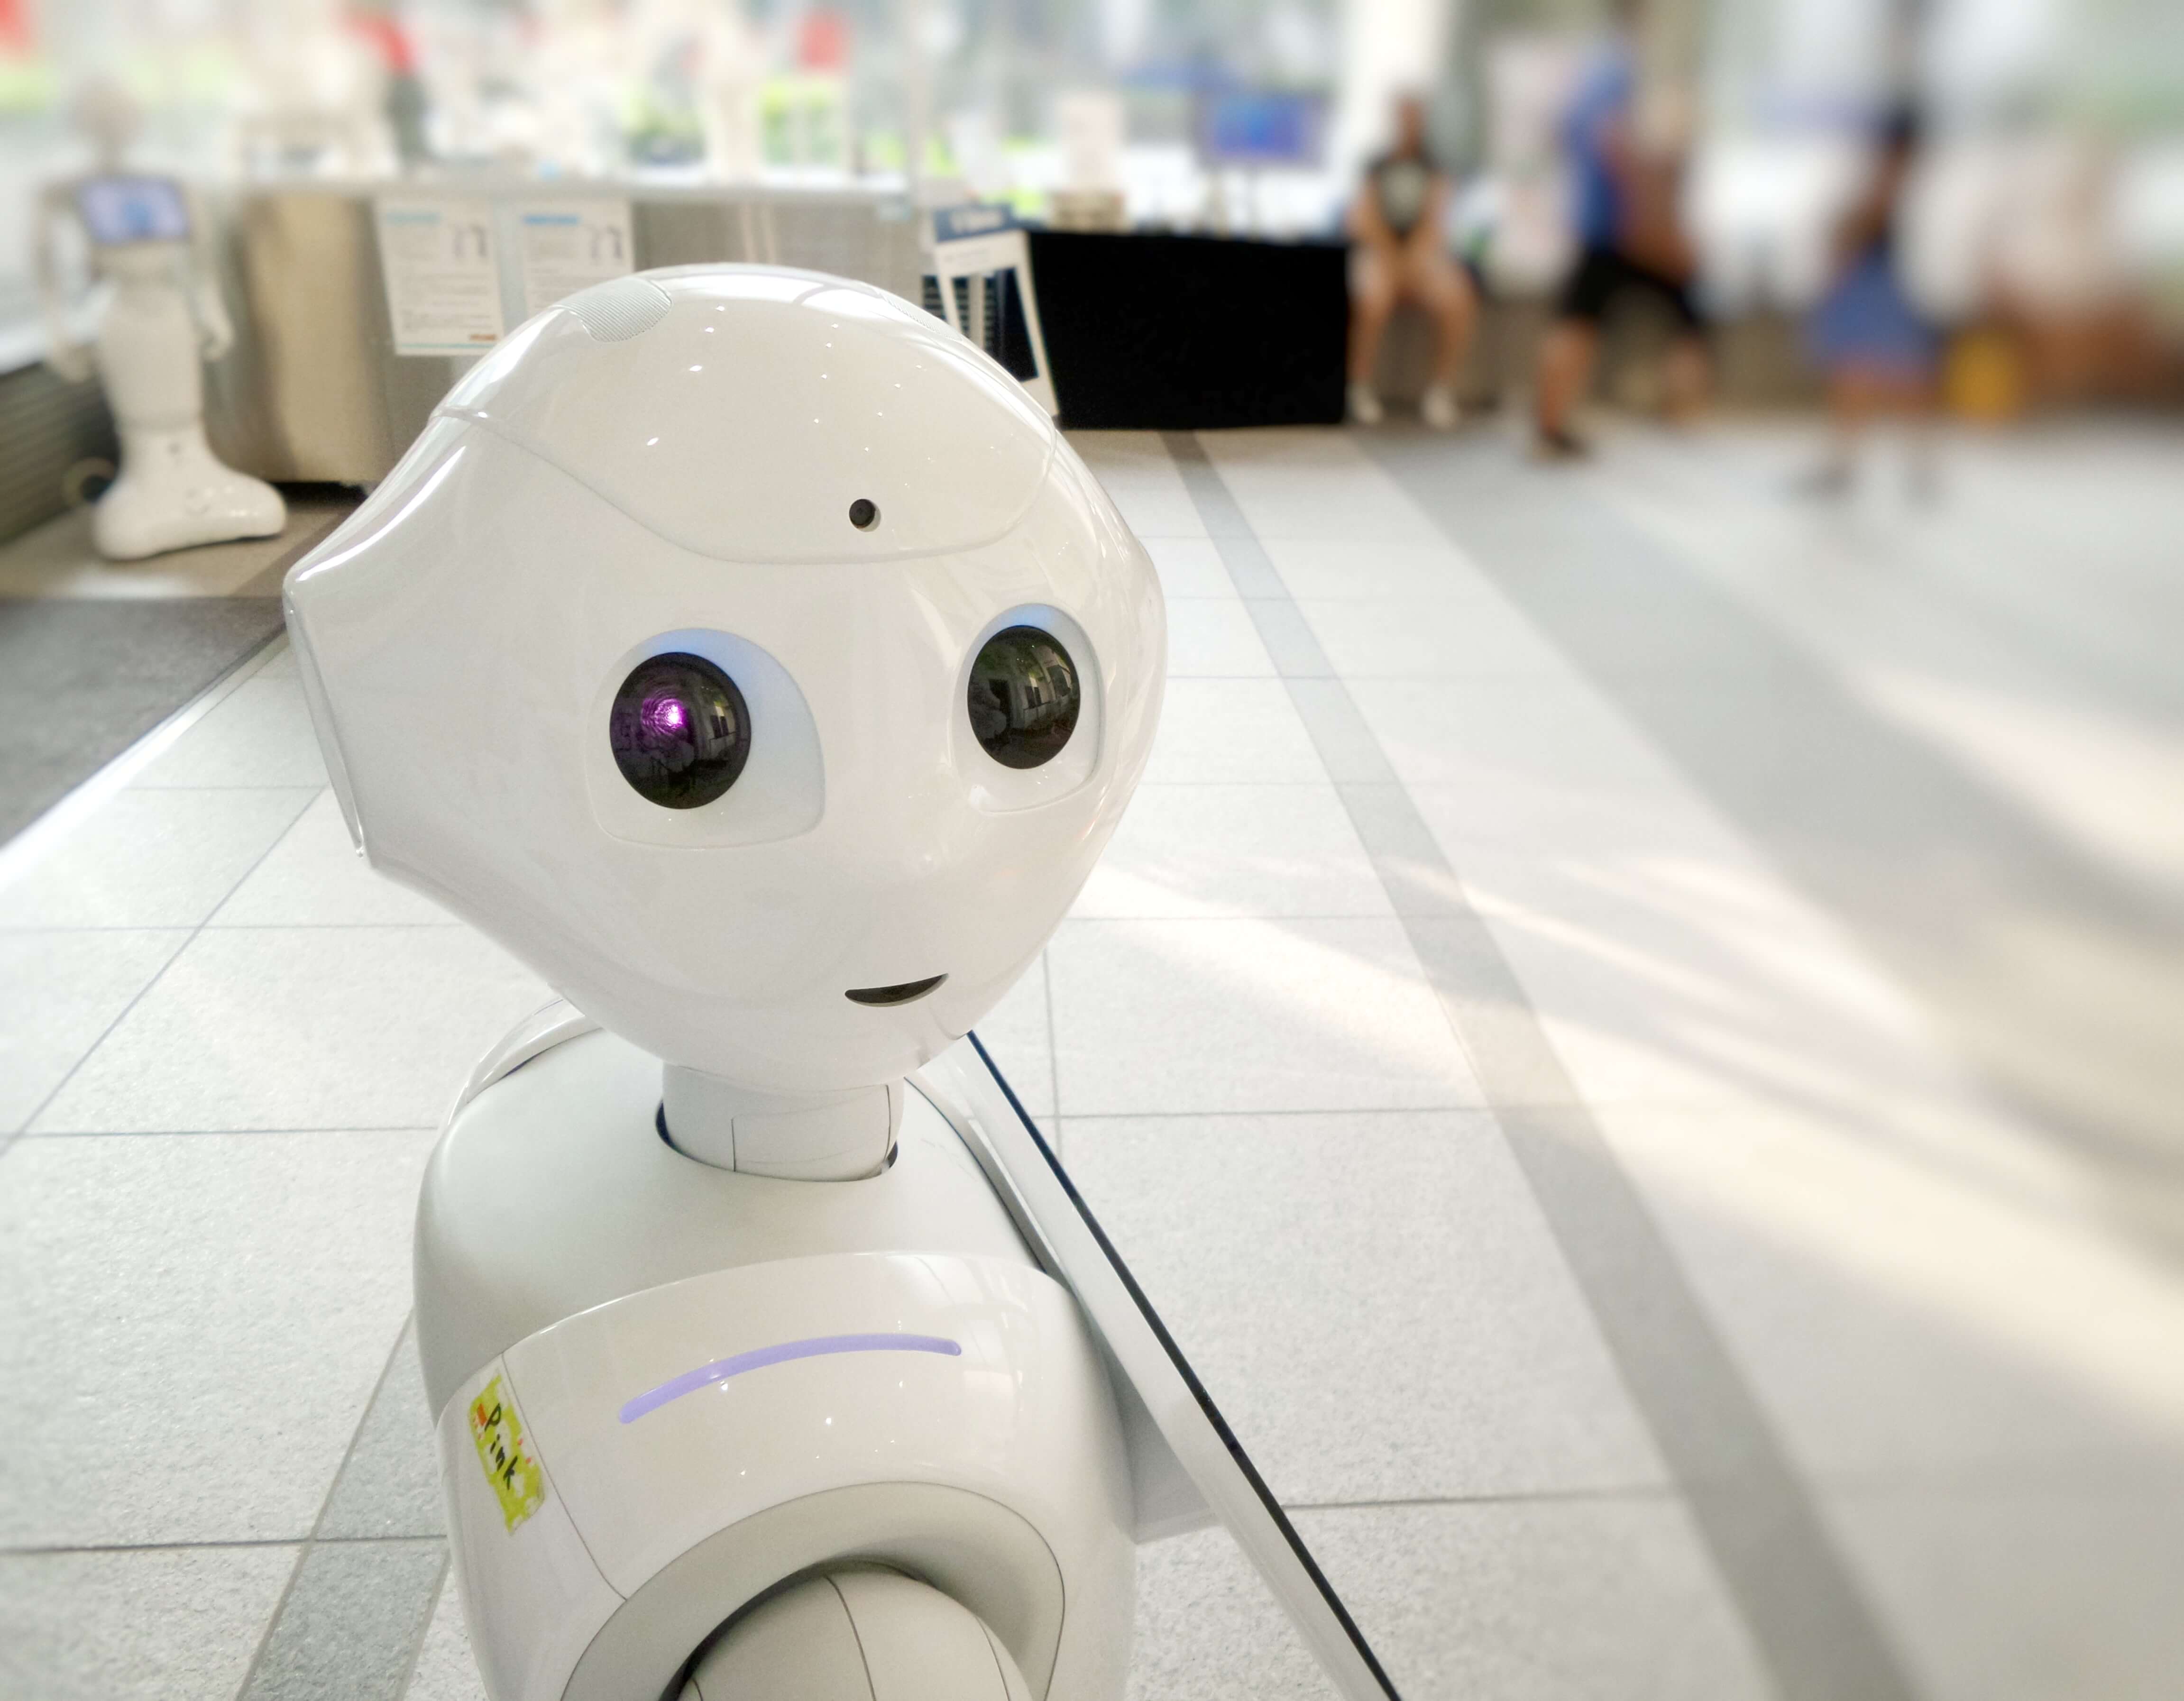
(566,245)
(443,280)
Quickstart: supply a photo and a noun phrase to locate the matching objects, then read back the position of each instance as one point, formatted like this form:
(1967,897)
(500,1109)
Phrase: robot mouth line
(893,995)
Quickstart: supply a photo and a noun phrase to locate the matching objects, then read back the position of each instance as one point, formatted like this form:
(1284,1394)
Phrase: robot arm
(70,358)
(215,331)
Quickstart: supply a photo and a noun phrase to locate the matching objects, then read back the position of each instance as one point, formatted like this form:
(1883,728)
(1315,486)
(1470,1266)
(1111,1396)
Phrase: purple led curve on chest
(818,1347)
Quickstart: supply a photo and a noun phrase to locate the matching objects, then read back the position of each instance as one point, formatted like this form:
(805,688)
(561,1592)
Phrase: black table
(1188,333)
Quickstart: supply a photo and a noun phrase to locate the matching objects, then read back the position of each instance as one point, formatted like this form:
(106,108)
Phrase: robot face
(749,654)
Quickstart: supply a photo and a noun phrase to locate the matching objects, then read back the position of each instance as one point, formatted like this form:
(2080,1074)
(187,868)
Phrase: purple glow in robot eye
(679,731)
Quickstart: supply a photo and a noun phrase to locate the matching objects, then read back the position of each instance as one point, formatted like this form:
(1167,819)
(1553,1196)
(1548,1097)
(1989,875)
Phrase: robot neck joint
(819,1137)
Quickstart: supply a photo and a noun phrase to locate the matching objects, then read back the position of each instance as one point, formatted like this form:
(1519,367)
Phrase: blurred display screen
(133,209)
(1262,129)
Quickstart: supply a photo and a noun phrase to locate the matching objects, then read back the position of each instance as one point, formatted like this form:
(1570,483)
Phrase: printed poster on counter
(566,246)
(443,278)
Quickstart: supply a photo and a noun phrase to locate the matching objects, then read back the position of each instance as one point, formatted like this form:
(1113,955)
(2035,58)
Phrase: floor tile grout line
(318,1522)
(348,1453)
(216,926)
(1514,1497)
(1241,915)
(281,838)
(425,1625)
(1809,1621)
(65,1547)
(14,932)
(1476,1107)
(233,926)
(208,785)
(1276,915)
(158,974)
(216,1133)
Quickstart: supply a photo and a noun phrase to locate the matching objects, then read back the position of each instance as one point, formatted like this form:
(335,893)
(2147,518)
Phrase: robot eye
(1024,697)
(680,730)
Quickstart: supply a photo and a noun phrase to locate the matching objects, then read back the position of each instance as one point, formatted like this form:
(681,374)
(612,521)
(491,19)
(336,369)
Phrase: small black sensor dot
(864,514)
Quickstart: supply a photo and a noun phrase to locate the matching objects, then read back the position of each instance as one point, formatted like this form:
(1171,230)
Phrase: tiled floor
(94,653)
(1602,1214)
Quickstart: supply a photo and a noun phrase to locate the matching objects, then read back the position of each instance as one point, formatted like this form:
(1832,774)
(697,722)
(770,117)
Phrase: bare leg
(1433,280)
(1687,375)
(1851,402)
(1565,367)
(1446,293)
(1918,403)
(1371,300)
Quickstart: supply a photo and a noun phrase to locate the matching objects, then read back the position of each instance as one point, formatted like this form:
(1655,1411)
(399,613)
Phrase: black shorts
(1603,274)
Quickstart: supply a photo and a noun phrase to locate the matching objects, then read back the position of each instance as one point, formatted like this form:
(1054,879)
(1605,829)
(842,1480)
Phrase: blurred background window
(2050,189)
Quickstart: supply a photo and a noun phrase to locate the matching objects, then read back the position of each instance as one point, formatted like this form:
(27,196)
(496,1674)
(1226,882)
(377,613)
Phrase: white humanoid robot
(750,655)
(164,318)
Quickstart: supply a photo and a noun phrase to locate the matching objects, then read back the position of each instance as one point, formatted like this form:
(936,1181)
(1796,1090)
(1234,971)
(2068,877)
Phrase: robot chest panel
(672,1413)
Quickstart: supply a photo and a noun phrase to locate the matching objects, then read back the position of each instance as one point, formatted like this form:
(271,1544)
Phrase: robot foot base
(863,1634)
(173,494)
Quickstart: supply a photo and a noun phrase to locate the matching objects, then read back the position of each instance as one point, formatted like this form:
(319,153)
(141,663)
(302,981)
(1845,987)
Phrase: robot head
(749,654)
(107,116)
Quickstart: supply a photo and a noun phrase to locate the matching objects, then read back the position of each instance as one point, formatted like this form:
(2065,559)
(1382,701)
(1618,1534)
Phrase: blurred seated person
(1878,353)
(1631,243)
(1399,232)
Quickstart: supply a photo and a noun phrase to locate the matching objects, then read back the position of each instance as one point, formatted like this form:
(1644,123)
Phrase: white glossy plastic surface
(551,1024)
(727,1380)
(799,1646)
(579,500)
(973,1549)
(805,1137)
(664,1420)
(859,1636)
(532,1595)
(551,1192)
(1020,1413)
(770,396)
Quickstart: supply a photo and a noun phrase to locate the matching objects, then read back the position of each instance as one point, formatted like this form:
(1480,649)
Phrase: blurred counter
(313,389)
(1144,331)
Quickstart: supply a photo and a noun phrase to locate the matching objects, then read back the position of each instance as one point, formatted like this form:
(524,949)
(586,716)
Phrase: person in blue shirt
(1631,242)
(1399,251)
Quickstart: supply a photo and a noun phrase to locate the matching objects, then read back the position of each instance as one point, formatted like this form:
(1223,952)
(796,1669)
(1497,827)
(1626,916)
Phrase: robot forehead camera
(745,652)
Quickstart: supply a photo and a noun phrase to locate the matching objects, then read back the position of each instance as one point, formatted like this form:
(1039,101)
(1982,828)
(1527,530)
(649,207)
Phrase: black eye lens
(1024,697)
(864,514)
(680,730)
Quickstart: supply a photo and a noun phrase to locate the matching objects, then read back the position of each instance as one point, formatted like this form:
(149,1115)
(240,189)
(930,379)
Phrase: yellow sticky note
(517,1482)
